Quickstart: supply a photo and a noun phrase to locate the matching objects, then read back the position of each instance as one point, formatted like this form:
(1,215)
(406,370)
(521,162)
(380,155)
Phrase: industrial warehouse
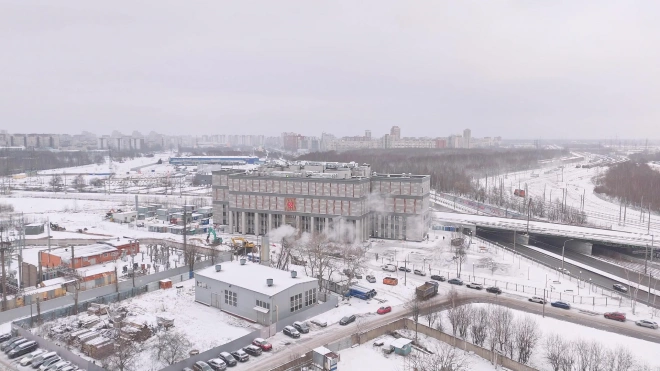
(344,199)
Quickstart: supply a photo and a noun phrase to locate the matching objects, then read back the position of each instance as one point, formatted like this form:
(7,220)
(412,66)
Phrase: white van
(389,267)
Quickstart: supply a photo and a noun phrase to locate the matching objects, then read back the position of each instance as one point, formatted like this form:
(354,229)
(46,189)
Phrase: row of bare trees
(632,183)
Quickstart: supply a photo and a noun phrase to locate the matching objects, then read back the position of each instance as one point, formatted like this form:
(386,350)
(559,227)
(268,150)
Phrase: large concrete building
(255,292)
(340,199)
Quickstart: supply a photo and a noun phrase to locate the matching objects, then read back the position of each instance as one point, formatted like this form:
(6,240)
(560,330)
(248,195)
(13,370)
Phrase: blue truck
(361,292)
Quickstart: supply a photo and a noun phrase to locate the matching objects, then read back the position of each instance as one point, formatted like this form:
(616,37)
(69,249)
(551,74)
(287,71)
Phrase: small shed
(402,346)
(166,284)
(34,229)
(325,359)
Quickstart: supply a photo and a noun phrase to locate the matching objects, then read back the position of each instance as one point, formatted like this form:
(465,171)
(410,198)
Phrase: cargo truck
(427,290)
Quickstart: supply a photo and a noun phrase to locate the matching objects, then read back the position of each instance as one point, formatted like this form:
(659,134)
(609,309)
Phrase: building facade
(343,200)
(255,292)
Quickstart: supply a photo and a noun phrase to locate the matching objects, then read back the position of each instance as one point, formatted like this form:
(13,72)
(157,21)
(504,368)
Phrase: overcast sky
(519,69)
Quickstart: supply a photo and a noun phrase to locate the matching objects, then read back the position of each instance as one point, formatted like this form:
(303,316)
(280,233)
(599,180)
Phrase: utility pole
(514,245)
(648,230)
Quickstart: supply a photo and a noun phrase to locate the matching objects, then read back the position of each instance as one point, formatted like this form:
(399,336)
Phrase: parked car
(561,304)
(28,358)
(5,337)
(438,278)
(392,281)
(50,361)
(291,332)
(346,320)
(228,358)
(419,272)
(371,279)
(389,267)
(563,270)
(23,349)
(494,290)
(252,350)
(405,269)
(536,299)
(646,323)
(455,281)
(319,322)
(73,368)
(384,310)
(58,365)
(474,285)
(203,366)
(15,344)
(617,316)
(10,342)
(263,344)
(301,327)
(240,355)
(619,287)
(38,360)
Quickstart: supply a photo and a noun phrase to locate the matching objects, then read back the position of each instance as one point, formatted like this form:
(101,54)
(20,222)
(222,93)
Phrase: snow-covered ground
(367,356)
(644,351)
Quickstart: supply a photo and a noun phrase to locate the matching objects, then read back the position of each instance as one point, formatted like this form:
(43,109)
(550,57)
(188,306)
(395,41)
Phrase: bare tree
(79,182)
(479,326)
(56,183)
(171,347)
(568,358)
(360,324)
(443,357)
(452,313)
(583,351)
(554,346)
(596,356)
(430,314)
(526,336)
(124,357)
(414,305)
(464,313)
(624,359)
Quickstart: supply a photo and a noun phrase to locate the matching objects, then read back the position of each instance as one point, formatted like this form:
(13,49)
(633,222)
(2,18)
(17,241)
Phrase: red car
(383,310)
(616,316)
(263,344)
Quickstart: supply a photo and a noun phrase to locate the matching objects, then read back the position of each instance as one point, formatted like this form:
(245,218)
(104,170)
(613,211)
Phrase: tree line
(451,170)
(632,183)
(16,162)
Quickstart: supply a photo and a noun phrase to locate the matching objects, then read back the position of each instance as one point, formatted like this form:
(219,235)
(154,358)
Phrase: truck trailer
(361,292)
(427,290)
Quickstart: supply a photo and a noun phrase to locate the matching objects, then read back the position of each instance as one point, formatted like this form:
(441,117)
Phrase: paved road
(597,279)
(336,332)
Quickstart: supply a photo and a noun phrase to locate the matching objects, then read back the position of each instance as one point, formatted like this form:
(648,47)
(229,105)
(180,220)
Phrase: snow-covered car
(647,323)
(563,270)
(263,344)
(227,358)
(371,279)
(26,360)
(419,272)
(474,285)
(389,267)
(319,322)
(536,299)
(216,364)
(252,350)
(291,332)
(240,355)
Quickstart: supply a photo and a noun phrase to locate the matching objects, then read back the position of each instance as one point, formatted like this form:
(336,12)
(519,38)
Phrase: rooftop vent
(242,261)
(294,274)
(218,267)
(269,281)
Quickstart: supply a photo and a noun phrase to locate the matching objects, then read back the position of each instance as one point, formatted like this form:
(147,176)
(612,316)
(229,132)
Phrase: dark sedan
(404,269)
(455,281)
(494,290)
(561,304)
(438,278)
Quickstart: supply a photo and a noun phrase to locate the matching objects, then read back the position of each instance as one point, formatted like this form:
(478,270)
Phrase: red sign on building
(290,204)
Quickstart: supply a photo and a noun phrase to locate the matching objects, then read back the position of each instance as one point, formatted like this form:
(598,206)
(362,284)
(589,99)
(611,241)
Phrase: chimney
(294,274)
(269,281)
(218,267)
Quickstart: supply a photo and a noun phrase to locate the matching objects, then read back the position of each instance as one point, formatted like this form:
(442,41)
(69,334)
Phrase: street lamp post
(562,254)
(578,282)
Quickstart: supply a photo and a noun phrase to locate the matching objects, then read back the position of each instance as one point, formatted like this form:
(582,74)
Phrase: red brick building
(83,256)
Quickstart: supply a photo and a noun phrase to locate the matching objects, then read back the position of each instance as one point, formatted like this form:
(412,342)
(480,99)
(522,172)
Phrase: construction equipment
(56,227)
(216,241)
(241,243)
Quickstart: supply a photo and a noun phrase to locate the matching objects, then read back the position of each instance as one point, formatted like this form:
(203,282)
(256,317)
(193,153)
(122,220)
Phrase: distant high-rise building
(467,134)
(395,133)
(367,134)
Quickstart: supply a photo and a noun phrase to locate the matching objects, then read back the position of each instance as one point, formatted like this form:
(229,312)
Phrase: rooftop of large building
(82,251)
(254,277)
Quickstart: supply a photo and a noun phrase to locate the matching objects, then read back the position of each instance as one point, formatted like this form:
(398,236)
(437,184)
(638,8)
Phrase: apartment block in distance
(341,199)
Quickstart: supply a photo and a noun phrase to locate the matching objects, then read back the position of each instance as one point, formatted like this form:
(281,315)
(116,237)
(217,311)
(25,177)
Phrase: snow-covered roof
(119,241)
(253,276)
(400,342)
(96,269)
(83,251)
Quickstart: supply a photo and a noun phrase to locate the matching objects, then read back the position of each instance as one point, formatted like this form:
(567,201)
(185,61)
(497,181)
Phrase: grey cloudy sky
(519,69)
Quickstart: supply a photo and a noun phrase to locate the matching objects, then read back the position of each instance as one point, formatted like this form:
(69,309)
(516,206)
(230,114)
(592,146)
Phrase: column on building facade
(358,230)
(257,226)
(298,222)
(230,215)
(311,225)
(243,222)
(326,227)
(270,223)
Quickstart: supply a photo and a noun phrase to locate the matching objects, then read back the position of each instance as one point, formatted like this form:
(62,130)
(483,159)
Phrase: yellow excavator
(242,243)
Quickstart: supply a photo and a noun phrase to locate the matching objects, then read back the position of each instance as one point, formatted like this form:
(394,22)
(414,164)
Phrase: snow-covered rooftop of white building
(83,251)
(254,276)
(119,241)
